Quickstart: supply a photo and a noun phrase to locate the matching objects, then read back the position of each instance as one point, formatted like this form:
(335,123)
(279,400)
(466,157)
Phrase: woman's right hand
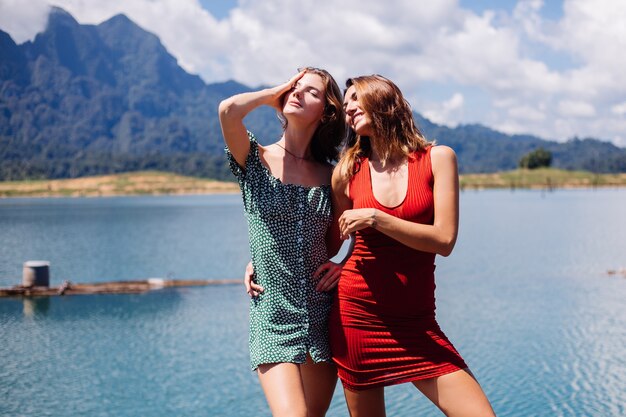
(354,220)
(280,90)
(252,288)
(234,109)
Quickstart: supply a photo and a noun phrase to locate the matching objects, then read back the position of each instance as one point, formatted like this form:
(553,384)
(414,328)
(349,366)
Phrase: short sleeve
(252,159)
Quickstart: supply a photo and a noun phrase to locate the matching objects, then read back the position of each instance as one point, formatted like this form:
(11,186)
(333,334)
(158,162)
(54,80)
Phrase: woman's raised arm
(233,110)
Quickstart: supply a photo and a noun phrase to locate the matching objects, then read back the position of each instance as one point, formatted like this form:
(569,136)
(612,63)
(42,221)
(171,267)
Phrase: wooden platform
(111,287)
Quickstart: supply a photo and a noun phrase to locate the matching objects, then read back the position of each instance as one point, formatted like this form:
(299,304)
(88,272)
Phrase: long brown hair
(393,125)
(332,129)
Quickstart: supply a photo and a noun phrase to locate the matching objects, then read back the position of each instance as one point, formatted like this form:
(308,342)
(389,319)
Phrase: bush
(539,158)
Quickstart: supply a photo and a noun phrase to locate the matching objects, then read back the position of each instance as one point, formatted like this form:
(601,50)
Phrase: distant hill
(482,150)
(97,99)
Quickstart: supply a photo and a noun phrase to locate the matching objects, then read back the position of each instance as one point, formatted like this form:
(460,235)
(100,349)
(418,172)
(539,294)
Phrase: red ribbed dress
(382,327)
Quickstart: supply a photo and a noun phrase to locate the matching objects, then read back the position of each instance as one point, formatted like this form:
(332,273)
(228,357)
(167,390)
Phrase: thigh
(366,403)
(319,381)
(282,385)
(456,394)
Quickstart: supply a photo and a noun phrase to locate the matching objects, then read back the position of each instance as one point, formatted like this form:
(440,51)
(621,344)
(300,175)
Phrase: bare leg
(319,381)
(283,389)
(366,403)
(457,395)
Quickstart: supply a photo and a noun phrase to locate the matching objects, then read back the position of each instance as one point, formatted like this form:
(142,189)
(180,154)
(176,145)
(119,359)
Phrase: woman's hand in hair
(279,91)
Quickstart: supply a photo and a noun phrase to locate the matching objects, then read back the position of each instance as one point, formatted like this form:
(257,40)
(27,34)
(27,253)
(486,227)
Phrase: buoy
(36,274)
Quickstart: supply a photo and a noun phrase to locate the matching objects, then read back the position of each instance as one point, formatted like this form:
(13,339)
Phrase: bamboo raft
(111,287)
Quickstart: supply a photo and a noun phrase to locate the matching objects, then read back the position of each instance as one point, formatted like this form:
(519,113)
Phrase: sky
(552,68)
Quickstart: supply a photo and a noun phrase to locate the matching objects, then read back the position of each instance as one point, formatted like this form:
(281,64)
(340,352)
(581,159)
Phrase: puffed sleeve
(252,160)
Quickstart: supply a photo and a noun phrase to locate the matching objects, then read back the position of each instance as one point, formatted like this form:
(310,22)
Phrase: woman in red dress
(399,195)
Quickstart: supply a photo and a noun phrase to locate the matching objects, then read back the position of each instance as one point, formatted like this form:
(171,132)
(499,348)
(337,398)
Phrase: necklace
(304,158)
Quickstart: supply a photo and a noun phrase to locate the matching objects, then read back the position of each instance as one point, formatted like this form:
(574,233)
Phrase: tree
(536,159)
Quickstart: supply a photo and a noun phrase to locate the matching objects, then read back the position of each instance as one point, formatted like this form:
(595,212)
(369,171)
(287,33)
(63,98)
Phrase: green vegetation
(92,105)
(539,158)
(542,178)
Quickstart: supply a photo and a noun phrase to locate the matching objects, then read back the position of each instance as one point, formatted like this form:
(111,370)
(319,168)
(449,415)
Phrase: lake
(525,297)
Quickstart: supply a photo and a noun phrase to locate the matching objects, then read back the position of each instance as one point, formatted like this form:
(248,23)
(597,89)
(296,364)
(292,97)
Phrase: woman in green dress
(287,202)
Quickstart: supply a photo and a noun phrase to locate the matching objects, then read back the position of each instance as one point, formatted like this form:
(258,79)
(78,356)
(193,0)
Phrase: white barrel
(36,274)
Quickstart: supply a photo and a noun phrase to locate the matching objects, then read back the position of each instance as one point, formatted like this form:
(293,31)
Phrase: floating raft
(111,287)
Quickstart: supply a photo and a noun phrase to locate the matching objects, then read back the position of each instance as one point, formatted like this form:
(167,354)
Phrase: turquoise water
(525,297)
(104,239)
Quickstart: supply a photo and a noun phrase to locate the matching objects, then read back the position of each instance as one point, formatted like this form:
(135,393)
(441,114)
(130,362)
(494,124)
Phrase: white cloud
(527,113)
(497,54)
(595,31)
(449,112)
(23,21)
(570,108)
(186,30)
(619,109)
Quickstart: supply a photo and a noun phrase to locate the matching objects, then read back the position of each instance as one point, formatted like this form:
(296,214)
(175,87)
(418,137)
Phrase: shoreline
(143,183)
(547,179)
(156,183)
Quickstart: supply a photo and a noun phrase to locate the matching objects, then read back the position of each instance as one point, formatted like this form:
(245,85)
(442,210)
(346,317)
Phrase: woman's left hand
(329,274)
(356,219)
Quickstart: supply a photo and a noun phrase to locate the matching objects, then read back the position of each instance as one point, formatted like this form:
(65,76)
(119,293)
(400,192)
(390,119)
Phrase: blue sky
(548,68)
(551,9)
(219,8)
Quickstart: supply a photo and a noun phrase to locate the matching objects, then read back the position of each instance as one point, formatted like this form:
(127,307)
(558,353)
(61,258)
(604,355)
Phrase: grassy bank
(159,183)
(545,178)
(134,183)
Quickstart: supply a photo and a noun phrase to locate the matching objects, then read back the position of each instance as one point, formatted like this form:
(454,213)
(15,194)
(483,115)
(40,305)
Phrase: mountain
(84,99)
(481,149)
(92,99)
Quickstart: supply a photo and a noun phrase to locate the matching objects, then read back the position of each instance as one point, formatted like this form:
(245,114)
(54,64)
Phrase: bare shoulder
(443,162)
(442,156)
(337,178)
(339,182)
(442,152)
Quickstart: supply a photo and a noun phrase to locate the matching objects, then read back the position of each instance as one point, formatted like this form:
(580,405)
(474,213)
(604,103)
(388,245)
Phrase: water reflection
(36,306)
(525,297)
(81,307)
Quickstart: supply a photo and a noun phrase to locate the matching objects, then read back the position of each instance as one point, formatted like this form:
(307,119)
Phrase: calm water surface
(104,239)
(525,297)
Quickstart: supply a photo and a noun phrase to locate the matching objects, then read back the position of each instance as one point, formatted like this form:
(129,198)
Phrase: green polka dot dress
(287,225)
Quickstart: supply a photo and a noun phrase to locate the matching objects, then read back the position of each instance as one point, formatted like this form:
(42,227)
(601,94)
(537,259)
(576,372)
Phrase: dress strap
(360,181)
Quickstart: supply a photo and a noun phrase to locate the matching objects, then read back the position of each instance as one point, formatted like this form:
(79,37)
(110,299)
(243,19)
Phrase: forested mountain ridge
(93,99)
